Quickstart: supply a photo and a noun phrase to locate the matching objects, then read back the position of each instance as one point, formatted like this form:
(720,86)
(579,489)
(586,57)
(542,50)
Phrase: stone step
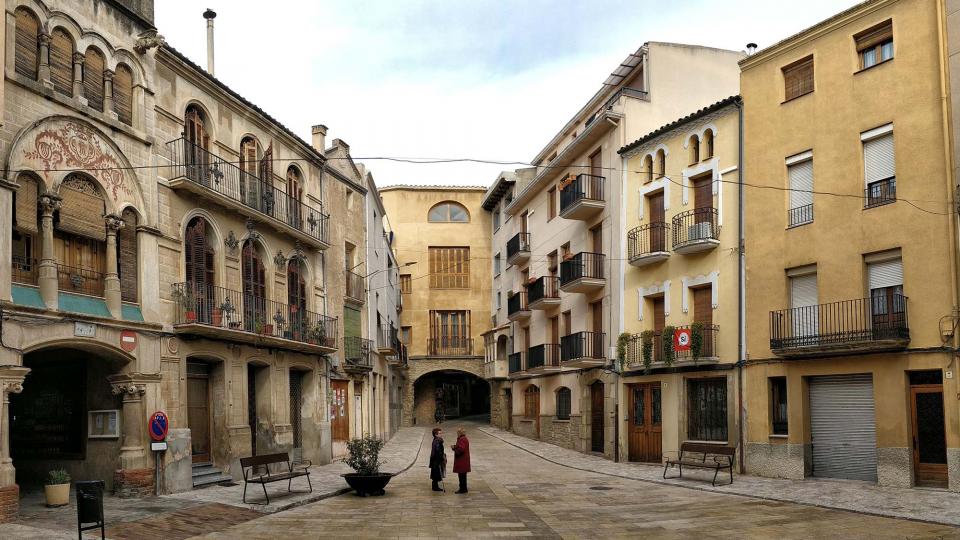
(210,480)
(208,471)
(202,464)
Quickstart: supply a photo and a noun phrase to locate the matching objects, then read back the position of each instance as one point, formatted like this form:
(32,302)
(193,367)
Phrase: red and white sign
(681,339)
(158,426)
(128,340)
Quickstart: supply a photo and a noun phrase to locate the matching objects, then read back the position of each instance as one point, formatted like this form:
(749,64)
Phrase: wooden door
(531,406)
(596,417)
(526,338)
(596,164)
(703,314)
(703,200)
(645,431)
(659,322)
(658,230)
(198,410)
(554,330)
(929,435)
(197,140)
(524,222)
(339,411)
(254,289)
(567,323)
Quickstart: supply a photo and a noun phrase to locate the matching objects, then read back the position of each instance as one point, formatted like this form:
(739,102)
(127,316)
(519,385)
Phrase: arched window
(61,61)
(297,297)
(27,44)
(254,288)
(448,212)
(93,65)
(80,236)
(708,144)
(563,403)
(295,193)
(127,256)
(531,402)
(646,169)
(661,168)
(123,94)
(194,127)
(199,254)
(250,185)
(195,144)
(694,148)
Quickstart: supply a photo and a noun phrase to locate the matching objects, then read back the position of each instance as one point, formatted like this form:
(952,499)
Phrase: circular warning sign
(128,340)
(681,339)
(158,426)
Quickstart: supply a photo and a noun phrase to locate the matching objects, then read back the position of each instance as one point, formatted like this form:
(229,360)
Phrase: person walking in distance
(461,459)
(438,459)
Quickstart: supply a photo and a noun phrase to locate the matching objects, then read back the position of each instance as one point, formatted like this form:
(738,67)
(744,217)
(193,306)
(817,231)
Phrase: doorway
(198,410)
(645,431)
(296,412)
(929,432)
(596,417)
(532,407)
(339,416)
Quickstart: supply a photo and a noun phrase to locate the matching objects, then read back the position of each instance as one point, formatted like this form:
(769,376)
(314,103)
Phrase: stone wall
(422,366)
(562,433)
(775,460)
(498,404)
(133,483)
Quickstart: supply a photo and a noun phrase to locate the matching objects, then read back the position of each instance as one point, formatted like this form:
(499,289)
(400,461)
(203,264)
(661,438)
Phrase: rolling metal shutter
(885,274)
(843,428)
(878,159)
(801,184)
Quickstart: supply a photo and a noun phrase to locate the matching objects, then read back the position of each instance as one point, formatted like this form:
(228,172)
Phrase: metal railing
(23,270)
(517,303)
(880,193)
(848,322)
(209,305)
(354,286)
(582,345)
(545,355)
(356,352)
(582,265)
(450,346)
(388,337)
(79,280)
(647,239)
(543,287)
(520,243)
(515,362)
(625,91)
(694,226)
(582,187)
(708,347)
(800,215)
(213,172)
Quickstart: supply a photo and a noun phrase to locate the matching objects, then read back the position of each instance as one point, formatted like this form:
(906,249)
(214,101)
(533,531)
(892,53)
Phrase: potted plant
(188,304)
(667,344)
(646,348)
(696,340)
(217,317)
(622,342)
(57,488)
(319,333)
(364,458)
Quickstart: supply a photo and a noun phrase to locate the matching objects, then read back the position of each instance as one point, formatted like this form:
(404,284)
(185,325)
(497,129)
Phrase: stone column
(78,58)
(111,281)
(11,382)
(44,71)
(47,267)
(108,91)
(135,476)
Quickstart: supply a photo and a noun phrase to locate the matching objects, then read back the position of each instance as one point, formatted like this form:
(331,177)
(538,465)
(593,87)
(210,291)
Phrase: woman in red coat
(461,459)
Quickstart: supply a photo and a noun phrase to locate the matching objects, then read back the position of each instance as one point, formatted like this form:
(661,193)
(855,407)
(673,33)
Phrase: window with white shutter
(804,312)
(801,192)
(879,168)
(887,303)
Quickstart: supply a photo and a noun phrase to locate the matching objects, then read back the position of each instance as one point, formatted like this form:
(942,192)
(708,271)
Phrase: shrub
(696,340)
(58,476)
(666,343)
(622,342)
(646,339)
(364,455)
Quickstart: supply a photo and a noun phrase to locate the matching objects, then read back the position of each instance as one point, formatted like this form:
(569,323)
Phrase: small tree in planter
(364,457)
(696,340)
(188,304)
(57,488)
(666,343)
(646,348)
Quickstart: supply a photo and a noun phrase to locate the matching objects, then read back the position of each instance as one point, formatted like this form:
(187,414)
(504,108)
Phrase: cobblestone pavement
(933,505)
(514,493)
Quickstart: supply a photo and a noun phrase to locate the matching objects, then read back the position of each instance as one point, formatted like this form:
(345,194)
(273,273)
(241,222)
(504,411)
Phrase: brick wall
(133,483)
(9,503)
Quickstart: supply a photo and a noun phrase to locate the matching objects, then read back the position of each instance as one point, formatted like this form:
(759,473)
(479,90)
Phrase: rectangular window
(778,405)
(496,219)
(887,303)
(798,78)
(804,319)
(499,300)
(496,264)
(707,409)
(450,332)
(551,203)
(552,262)
(406,333)
(879,167)
(563,404)
(875,45)
(406,284)
(449,267)
(800,174)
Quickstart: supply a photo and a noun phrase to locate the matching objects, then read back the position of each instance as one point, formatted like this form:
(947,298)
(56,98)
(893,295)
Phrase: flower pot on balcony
(191,316)
(267,329)
(217,317)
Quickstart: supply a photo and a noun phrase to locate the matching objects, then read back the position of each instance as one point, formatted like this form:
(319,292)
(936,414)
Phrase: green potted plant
(57,488)
(666,343)
(319,333)
(363,456)
(646,348)
(622,342)
(696,340)
(188,304)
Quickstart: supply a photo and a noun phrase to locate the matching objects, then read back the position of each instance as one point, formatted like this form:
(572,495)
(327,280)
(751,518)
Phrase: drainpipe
(741,286)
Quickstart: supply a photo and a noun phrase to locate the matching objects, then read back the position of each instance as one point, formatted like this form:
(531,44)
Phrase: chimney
(319,137)
(209,15)
(751,48)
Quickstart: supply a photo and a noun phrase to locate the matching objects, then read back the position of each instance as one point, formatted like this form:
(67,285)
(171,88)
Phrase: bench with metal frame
(695,455)
(256,470)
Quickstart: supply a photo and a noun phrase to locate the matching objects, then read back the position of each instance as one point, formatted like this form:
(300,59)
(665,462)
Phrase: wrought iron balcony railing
(517,303)
(582,345)
(880,193)
(695,226)
(23,270)
(708,346)
(544,356)
(647,239)
(79,280)
(873,323)
(515,362)
(800,215)
(356,352)
(388,337)
(582,265)
(519,245)
(583,187)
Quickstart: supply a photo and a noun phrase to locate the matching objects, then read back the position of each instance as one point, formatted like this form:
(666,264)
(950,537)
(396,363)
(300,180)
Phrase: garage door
(842,425)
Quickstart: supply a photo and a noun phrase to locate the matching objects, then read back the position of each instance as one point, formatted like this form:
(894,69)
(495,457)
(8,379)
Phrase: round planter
(368,485)
(57,494)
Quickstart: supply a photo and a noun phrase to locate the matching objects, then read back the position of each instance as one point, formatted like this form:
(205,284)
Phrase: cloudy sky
(448,78)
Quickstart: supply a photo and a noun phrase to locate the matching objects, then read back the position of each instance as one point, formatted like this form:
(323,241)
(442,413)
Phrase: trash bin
(90,506)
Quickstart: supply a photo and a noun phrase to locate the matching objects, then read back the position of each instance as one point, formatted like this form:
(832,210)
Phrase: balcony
(517,309)
(544,293)
(880,193)
(647,244)
(518,248)
(356,355)
(450,346)
(23,270)
(515,363)
(845,327)
(79,280)
(583,273)
(388,340)
(695,230)
(544,358)
(355,289)
(195,170)
(581,197)
(583,349)
(800,215)
(708,353)
(224,314)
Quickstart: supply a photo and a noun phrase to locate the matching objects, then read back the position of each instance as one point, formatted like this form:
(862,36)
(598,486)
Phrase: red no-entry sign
(158,426)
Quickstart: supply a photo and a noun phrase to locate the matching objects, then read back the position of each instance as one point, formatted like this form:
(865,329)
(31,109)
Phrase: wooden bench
(695,455)
(257,470)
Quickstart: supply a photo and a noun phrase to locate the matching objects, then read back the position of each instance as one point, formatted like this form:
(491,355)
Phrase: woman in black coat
(438,459)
